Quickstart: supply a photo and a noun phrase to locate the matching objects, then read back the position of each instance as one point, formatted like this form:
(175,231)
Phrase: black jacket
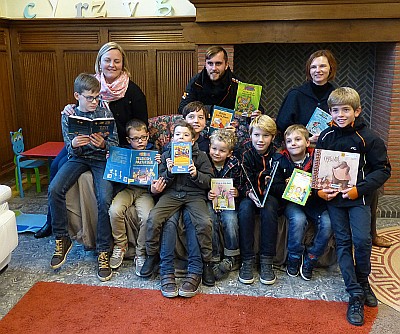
(374,166)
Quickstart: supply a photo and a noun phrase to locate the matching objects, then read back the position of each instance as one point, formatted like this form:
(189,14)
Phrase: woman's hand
(68,110)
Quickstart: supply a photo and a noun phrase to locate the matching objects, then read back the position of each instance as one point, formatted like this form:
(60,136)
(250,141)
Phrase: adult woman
(120,94)
(300,102)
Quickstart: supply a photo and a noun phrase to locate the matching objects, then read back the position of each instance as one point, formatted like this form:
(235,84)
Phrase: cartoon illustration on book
(247,99)
(221,117)
(221,187)
(318,121)
(181,154)
(298,188)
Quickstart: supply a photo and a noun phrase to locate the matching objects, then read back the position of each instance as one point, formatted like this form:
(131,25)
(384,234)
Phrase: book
(334,169)
(267,186)
(221,187)
(247,99)
(298,188)
(181,155)
(221,117)
(318,122)
(79,125)
(136,167)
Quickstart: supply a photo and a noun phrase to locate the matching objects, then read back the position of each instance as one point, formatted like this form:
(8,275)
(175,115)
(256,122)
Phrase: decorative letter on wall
(130,10)
(98,12)
(163,9)
(53,4)
(79,6)
(26,11)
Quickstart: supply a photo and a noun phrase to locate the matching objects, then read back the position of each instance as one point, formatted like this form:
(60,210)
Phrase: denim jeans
(63,181)
(230,232)
(298,217)
(352,227)
(268,227)
(168,243)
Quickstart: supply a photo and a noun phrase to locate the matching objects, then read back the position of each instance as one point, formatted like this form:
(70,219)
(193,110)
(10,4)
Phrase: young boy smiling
(349,209)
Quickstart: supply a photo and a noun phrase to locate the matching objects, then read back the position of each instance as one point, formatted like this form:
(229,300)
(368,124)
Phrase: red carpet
(63,308)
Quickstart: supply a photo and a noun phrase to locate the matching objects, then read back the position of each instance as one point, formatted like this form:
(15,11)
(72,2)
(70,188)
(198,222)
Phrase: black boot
(208,274)
(44,232)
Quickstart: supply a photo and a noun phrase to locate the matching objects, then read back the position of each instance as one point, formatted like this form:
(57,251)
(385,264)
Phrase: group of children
(219,241)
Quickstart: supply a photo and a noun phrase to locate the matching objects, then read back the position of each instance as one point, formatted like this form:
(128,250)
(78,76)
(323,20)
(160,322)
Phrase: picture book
(85,126)
(267,186)
(137,167)
(334,169)
(181,155)
(221,117)
(298,187)
(223,201)
(318,122)
(247,99)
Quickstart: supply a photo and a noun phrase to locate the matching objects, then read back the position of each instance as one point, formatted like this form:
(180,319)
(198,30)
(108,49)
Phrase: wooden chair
(21,162)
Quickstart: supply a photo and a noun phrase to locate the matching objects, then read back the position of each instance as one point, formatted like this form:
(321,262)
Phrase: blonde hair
(264,123)
(224,136)
(107,47)
(299,128)
(344,95)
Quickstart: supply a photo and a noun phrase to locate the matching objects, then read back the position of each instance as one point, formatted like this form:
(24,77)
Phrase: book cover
(298,187)
(221,117)
(223,201)
(247,99)
(79,125)
(318,122)
(181,155)
(137,167)
(334,169)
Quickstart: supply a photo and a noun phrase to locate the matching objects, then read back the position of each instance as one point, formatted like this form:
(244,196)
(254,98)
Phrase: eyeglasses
(92,98)
(136,139)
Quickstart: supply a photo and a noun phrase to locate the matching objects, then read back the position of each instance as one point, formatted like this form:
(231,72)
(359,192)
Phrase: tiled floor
(30,264)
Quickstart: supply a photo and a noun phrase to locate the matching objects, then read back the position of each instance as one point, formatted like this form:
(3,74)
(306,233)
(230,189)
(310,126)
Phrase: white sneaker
(117,257)
(139,262)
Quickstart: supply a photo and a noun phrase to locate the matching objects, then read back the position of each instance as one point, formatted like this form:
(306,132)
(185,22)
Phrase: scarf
(115,90)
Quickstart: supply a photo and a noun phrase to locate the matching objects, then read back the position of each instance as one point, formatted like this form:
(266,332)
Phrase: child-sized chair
(17,141)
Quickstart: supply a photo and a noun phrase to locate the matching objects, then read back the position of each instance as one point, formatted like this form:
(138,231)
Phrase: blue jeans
(63,181)
(352,227)
(268,227)
(298,217)
(168,243)
(230,232)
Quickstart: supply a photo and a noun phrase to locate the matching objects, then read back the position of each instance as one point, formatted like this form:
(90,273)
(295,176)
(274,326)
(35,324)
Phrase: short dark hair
(86,81)
(331,60)
(184,124)
(136,124)
(213,50)
(194,106)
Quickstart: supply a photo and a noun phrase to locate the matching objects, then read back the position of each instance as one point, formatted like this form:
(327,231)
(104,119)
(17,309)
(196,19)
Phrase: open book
(85,126)
(267,186)
(298,187)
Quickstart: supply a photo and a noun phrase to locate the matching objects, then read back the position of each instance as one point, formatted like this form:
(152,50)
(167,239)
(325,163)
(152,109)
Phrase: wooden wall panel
(174,69)
(138,66)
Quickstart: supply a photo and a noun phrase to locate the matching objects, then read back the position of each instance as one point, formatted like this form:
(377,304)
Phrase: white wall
(114,8)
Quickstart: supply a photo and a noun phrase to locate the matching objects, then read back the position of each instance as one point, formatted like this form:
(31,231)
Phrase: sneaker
(222,269)
(307,266)
(104,272)
(139,262)
(369,295)
(63,246)
(117,256)
(267,275)
(355,311)
(190,285)
(168,288)
(208,274)
(293,266)
(246,272)
(148,265)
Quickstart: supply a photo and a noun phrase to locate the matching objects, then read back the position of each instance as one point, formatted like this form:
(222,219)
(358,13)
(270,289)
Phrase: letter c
(26,11)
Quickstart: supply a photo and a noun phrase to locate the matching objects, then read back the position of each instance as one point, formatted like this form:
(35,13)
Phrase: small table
(49,150)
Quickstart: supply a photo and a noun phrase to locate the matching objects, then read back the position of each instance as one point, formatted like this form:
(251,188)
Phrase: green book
(247,99)
(298,188)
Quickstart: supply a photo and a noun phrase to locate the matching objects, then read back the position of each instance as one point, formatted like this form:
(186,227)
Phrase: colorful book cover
(221,187)
(298,188)
(79,125)
(181,155)
(221,117)
(136,167)
(247,99)
(334,169)
(318,121)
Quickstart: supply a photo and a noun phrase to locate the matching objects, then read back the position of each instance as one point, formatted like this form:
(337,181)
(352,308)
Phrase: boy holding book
(86,152)
(257,166)
(187,190)
(225,165)
(298,154)
(139,196)
(349,209)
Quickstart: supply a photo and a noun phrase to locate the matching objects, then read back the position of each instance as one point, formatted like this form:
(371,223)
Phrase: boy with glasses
(85,152)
